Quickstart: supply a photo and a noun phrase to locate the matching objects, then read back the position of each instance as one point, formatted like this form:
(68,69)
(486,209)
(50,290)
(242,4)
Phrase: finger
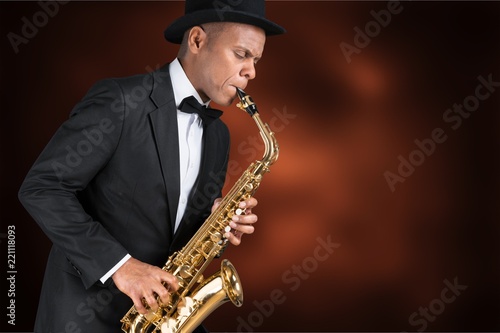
(245,219)
(235,240)
(216,203)
(242,228)
(164,296)
(169,285)
(248,203)
(139,306)
(171,281)
(152,302)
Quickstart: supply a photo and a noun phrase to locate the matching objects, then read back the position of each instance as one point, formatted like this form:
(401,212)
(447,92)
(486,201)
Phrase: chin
(231,100)
(225,102)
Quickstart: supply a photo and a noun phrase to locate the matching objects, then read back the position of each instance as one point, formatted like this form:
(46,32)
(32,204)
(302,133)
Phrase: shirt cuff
(115,268)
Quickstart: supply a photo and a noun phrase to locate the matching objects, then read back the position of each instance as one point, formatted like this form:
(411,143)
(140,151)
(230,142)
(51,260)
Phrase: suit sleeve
(79,149)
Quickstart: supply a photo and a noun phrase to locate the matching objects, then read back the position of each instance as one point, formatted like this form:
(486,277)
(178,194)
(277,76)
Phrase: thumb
(216,203)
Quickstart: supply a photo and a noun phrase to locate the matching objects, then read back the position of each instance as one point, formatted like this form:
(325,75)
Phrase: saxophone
(198,297)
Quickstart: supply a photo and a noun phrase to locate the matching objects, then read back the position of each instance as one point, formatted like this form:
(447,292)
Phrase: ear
(196,39)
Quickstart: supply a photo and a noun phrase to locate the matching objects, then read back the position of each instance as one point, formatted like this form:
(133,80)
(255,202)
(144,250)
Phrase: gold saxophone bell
(197,297)
(220,288)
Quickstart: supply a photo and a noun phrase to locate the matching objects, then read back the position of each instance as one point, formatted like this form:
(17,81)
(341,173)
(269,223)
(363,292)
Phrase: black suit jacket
(107,184)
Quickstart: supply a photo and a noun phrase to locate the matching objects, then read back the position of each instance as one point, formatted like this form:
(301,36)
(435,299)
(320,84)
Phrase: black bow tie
(191,105)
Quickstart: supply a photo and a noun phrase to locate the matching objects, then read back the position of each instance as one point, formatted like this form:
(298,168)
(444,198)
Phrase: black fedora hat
(204,11)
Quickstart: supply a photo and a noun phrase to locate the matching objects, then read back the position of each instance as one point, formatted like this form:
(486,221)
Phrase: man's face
(228,61)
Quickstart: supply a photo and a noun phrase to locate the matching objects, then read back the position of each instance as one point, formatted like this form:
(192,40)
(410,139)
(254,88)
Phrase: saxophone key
(169,326)
(216,237)
(208,246)
(186,307)
(240,211)
(197,260)
(184,272)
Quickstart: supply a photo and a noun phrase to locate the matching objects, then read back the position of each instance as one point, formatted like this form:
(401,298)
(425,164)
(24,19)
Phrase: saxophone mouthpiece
(241,93)
(247,103)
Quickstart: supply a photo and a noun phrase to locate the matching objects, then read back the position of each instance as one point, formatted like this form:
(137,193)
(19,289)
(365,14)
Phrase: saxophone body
(198,297)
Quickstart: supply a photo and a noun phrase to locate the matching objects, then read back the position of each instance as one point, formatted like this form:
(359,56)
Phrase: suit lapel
(165,131)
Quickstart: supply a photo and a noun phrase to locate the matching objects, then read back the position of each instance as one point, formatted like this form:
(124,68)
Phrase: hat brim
(175,32)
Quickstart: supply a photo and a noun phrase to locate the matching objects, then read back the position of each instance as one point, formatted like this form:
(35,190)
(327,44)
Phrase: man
(129,177)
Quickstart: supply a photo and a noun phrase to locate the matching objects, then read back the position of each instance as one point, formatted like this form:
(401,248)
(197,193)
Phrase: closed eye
(240,55)
(244,55)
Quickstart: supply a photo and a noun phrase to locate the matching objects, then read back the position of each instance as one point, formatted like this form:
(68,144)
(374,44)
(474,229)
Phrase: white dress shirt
(190,137)
(190,131)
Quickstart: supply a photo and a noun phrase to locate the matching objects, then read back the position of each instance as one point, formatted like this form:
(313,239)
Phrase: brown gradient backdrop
(350,123)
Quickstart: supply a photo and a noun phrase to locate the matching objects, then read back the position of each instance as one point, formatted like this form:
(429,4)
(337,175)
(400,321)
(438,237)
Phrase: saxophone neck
(271,152)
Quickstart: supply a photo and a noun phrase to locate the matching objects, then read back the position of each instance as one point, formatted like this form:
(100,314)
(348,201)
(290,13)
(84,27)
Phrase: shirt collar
(181,85)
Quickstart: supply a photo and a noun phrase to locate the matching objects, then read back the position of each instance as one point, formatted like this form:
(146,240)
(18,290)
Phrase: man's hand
(241,224)
(139,280)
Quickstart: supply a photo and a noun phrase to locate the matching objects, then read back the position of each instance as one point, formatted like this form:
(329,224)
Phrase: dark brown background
(351,122)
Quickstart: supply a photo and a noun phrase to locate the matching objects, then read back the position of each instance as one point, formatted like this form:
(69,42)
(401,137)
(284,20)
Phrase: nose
(248,70)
